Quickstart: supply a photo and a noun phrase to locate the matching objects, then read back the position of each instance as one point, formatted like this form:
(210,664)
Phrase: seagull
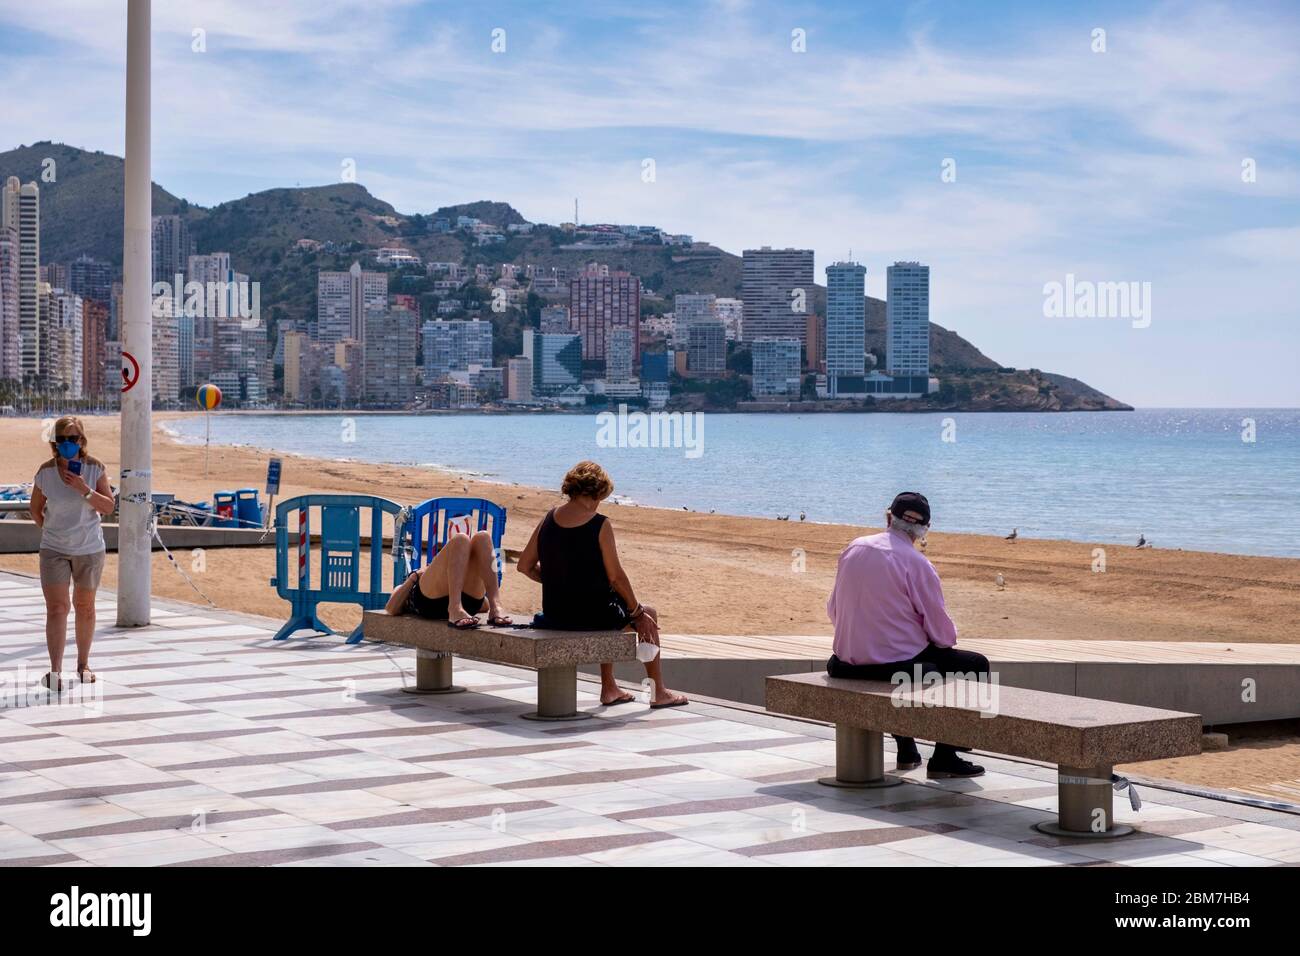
(802,516)
(1015,533)
(1000,581)
(1142,541)
(782,517)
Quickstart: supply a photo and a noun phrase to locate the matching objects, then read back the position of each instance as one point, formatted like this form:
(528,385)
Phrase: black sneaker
(953,767)
(909,758)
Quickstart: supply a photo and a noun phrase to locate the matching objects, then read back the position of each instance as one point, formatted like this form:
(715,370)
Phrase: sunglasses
(68,437)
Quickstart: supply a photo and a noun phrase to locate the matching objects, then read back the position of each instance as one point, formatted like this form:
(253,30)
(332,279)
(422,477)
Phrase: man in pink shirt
(889,616)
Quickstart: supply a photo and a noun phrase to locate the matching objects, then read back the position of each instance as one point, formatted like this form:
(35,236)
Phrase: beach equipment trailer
(340,562)
(430,523)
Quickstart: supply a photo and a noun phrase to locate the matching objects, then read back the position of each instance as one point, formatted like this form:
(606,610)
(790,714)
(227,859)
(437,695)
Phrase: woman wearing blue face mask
(70,496)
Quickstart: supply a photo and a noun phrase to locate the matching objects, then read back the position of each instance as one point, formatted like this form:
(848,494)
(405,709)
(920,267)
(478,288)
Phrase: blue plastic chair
(427,526)
(340,543)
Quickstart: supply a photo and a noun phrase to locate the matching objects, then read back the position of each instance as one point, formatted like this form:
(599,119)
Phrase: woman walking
(70,496)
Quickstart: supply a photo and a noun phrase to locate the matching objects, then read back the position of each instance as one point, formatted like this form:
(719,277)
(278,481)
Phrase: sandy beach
(735,575)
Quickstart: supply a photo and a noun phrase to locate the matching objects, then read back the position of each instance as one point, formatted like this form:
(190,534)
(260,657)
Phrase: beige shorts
(83,570)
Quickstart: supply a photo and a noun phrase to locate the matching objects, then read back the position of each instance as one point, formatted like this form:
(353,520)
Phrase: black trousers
(932,660)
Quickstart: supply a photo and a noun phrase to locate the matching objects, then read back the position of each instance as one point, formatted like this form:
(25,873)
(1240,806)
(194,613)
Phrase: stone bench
(1085,738)
(555,655)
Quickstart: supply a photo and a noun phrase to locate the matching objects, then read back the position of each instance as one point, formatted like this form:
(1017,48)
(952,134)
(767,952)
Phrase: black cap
(911,501)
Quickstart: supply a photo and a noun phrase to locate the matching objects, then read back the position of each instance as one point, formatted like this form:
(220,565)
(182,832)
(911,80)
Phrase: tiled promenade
(217,747)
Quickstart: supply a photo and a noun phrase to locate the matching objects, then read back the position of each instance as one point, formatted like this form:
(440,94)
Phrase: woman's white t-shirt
(71,525)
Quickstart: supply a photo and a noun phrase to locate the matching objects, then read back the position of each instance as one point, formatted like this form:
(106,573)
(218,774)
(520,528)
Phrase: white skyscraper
(344,300)
(776,368)
(846,318)
(618,355)
(907,319)
(11,366)
(20,210)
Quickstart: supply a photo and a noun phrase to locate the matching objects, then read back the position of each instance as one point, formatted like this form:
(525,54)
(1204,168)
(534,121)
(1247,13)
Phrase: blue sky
(1123,165)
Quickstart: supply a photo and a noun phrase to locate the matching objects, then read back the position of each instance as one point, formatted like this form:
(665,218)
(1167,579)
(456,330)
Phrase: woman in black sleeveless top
(584,588)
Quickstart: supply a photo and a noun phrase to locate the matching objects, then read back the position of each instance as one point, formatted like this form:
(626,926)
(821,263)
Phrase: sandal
(465,623)
(625,698)
(678,701)
(45,682)
(82,676)
(500,620)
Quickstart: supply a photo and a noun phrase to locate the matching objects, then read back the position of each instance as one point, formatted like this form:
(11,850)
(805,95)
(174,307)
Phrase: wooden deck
(812,646)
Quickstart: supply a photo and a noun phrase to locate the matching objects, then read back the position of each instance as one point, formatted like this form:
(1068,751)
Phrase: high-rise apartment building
(776,368)
(846,320)
(390,373)
(20,211)
(556,360)
(63,345)
(166,352)
(519,379)
(706,349)
(907,320)
(692,307)
(600,300)
(618,355)
(10,337)
(91,279)
(94,330)
(453,346)
(346,300)
(172,248)
(778,292)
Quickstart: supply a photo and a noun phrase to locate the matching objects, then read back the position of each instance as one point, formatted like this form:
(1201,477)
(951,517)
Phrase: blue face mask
(69,449)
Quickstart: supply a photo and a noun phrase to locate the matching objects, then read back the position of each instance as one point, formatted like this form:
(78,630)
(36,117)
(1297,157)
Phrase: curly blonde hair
(587,478)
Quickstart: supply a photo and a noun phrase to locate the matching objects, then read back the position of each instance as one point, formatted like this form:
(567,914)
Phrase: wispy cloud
(1115,163)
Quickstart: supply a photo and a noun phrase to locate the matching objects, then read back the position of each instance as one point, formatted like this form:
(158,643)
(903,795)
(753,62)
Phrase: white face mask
(916,532)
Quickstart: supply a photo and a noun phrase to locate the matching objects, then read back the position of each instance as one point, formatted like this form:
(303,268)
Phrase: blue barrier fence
(340,544)
(430,524)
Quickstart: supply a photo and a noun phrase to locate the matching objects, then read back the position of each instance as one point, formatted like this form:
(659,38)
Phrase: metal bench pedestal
(1085,806)
(433,674)
(859,760)
(557,695)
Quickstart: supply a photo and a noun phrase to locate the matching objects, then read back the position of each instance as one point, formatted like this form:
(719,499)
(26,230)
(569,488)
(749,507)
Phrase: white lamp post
(134,551)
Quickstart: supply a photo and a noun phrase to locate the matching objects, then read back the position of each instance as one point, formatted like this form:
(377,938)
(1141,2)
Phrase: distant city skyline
(997,144)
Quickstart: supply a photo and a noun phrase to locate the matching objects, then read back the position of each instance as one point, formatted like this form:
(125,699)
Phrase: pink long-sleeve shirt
(887,603)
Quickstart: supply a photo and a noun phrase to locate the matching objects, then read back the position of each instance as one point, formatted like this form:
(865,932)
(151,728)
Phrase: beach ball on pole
(208,397)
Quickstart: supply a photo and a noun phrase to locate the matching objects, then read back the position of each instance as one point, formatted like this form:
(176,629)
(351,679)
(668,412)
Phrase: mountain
(81,213)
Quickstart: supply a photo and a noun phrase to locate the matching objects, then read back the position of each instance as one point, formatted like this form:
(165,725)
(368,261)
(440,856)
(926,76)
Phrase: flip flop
(464,623)
(501,620)
(81,676)
(673,703)
(627,699)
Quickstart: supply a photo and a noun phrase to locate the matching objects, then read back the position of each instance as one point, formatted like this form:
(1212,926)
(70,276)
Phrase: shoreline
(467,474)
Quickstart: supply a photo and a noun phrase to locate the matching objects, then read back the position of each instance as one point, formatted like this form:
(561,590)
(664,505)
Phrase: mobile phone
(74,467)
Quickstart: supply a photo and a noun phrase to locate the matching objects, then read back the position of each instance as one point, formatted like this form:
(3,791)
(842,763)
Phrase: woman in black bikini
(584,587)
(463,567)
